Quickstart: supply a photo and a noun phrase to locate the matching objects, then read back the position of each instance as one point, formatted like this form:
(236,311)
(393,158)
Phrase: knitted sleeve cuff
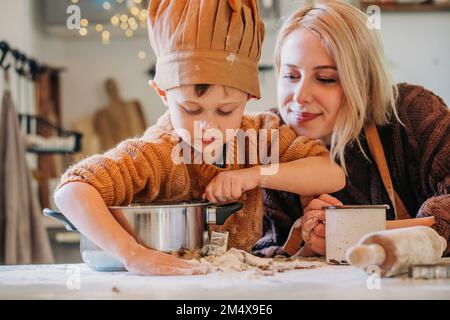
(439,207)
(92,172)
(122,172)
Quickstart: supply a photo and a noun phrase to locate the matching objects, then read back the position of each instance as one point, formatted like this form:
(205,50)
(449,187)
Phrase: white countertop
(328,282)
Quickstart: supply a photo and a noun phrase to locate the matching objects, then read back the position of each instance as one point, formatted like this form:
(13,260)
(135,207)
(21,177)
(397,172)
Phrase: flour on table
(235,260)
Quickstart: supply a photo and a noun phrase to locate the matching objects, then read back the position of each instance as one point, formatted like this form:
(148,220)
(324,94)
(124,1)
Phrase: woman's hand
(230,185)
(313,225)
(144,261)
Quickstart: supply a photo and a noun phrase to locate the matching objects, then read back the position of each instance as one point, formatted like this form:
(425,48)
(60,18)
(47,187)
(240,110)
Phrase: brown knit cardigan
(418,156)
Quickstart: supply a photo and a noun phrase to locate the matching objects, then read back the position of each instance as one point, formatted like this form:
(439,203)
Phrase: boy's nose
(209,124)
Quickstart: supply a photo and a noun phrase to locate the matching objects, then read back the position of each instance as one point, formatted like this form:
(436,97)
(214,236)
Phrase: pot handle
(218,214)
(59,216)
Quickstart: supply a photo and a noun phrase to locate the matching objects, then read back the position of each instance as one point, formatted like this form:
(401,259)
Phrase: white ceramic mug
(345,225)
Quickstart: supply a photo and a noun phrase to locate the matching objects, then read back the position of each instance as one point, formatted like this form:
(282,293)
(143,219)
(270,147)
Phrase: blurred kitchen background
(79,91)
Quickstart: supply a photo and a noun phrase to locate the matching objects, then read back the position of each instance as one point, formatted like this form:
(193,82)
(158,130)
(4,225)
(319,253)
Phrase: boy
(207,70)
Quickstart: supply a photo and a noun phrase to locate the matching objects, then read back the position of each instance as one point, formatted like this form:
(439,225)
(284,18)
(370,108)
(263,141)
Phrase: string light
(143,15)
(142,55)
(106,5)
(84,22)
(115,20)
(83,32)
(129,33)
(135,11)
(106,36)
(129,22)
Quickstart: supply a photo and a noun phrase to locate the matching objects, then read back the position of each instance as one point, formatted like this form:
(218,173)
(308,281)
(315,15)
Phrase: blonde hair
(369,91)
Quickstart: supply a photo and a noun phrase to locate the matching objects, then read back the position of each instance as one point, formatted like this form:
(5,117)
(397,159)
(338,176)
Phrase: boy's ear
(161,93)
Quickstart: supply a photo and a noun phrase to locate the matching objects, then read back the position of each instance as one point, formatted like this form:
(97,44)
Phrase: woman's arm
(439,208)
(427,126)
(85,208)
(303,166)
(308,176)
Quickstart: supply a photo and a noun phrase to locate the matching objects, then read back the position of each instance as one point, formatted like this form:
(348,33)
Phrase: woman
(333,85)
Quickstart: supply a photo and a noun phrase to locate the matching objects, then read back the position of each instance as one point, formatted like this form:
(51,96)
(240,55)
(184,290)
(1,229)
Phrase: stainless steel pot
(164,227)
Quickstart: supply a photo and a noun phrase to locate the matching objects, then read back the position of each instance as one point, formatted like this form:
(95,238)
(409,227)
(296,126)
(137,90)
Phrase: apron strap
(376,149)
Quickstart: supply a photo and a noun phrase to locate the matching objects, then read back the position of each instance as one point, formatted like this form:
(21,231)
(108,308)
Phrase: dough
(235,260)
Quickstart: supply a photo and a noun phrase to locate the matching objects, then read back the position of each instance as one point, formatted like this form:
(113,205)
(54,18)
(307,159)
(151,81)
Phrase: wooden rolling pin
(393,251)
(406,223)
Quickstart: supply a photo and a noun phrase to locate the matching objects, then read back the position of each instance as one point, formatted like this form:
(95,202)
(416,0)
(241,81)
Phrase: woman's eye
(327,80)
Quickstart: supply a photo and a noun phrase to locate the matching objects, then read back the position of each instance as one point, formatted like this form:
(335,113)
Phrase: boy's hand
(313,223)
(144,261)
(230,185)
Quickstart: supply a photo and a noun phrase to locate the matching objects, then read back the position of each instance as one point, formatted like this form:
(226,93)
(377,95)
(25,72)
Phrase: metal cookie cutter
(432,271)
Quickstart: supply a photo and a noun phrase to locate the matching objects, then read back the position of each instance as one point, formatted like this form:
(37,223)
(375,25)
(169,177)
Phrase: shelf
(409,7)
(60,141)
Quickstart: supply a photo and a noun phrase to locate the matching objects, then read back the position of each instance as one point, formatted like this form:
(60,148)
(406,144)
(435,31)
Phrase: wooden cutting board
(119,120)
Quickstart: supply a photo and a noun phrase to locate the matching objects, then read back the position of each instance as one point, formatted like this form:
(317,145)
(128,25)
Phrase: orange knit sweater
(141,169)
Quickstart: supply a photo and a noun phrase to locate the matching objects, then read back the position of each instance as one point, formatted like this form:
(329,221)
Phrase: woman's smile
(304,116)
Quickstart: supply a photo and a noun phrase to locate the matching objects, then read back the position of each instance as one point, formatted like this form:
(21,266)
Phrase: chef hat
(206,42)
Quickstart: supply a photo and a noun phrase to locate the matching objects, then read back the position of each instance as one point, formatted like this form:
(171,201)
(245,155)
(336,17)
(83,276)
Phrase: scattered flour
(235,260)
(232,58)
